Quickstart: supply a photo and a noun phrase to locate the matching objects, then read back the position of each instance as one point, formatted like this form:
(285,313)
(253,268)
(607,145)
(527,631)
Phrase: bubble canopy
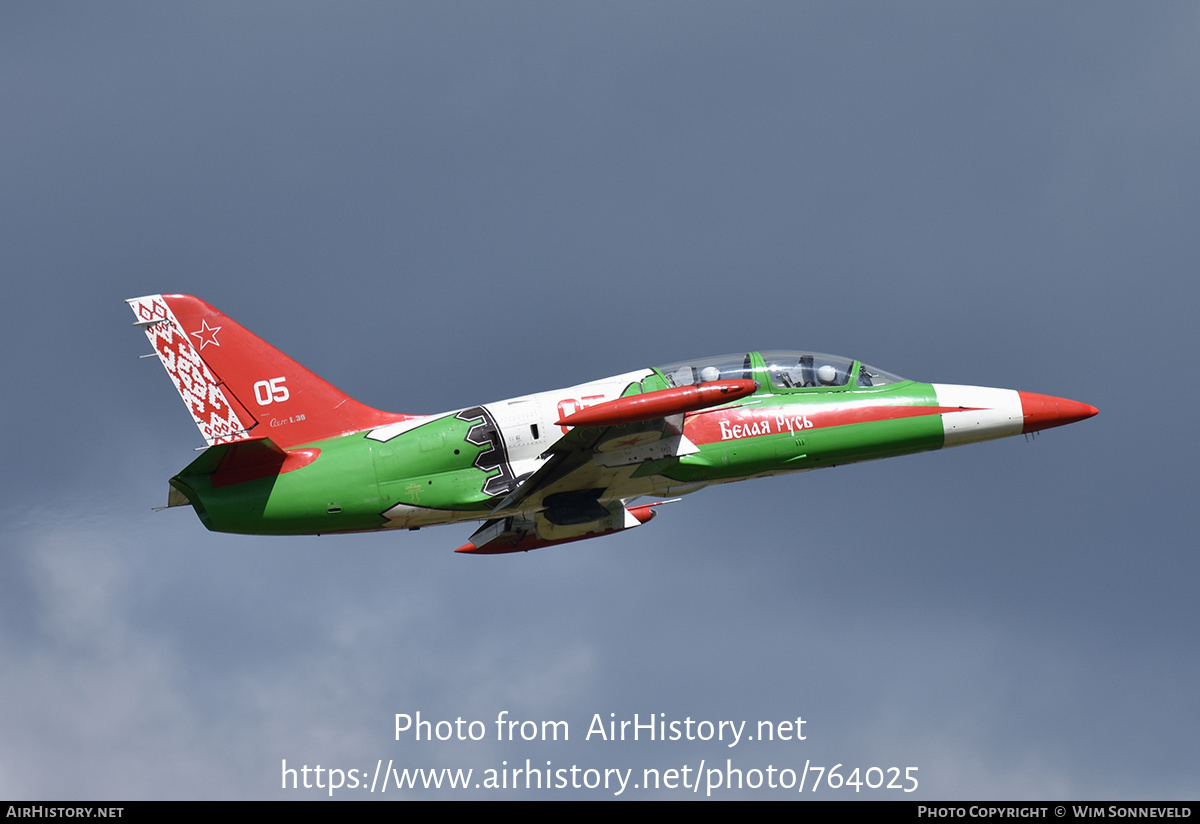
(784,370)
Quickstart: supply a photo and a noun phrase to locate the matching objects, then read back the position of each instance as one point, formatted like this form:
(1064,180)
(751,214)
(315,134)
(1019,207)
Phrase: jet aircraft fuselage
(289,454)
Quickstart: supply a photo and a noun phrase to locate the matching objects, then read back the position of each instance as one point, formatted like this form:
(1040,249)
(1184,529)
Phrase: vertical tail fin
(237,386)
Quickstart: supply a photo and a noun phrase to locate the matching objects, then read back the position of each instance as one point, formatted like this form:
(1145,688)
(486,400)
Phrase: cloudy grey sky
(436,205)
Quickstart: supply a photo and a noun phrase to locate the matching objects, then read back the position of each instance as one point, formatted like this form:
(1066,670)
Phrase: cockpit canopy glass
(722,367)
(804,370)
(801,370)
(872,376)
(785,370)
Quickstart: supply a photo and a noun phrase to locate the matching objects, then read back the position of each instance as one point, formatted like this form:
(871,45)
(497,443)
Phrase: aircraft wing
(581,489)
(609,441)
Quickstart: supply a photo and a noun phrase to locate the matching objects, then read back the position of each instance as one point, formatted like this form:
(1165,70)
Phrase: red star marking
(207,335)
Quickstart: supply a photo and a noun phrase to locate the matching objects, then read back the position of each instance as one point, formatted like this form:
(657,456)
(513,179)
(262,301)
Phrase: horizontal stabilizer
(248,460)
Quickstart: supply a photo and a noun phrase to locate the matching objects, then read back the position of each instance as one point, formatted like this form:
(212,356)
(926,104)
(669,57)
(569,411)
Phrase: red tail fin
(237,385)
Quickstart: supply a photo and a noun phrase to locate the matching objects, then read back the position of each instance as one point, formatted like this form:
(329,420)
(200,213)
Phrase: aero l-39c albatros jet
(289,454)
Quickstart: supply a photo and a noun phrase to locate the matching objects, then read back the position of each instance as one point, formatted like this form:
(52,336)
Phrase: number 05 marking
(272,391)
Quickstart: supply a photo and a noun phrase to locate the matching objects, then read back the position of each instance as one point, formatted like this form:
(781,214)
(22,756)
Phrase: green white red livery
(290,454)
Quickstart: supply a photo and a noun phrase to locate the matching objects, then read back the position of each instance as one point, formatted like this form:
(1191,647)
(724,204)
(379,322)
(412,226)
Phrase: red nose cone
(1045,411)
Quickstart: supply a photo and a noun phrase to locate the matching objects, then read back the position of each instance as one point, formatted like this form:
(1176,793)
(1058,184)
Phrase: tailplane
(237,386)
